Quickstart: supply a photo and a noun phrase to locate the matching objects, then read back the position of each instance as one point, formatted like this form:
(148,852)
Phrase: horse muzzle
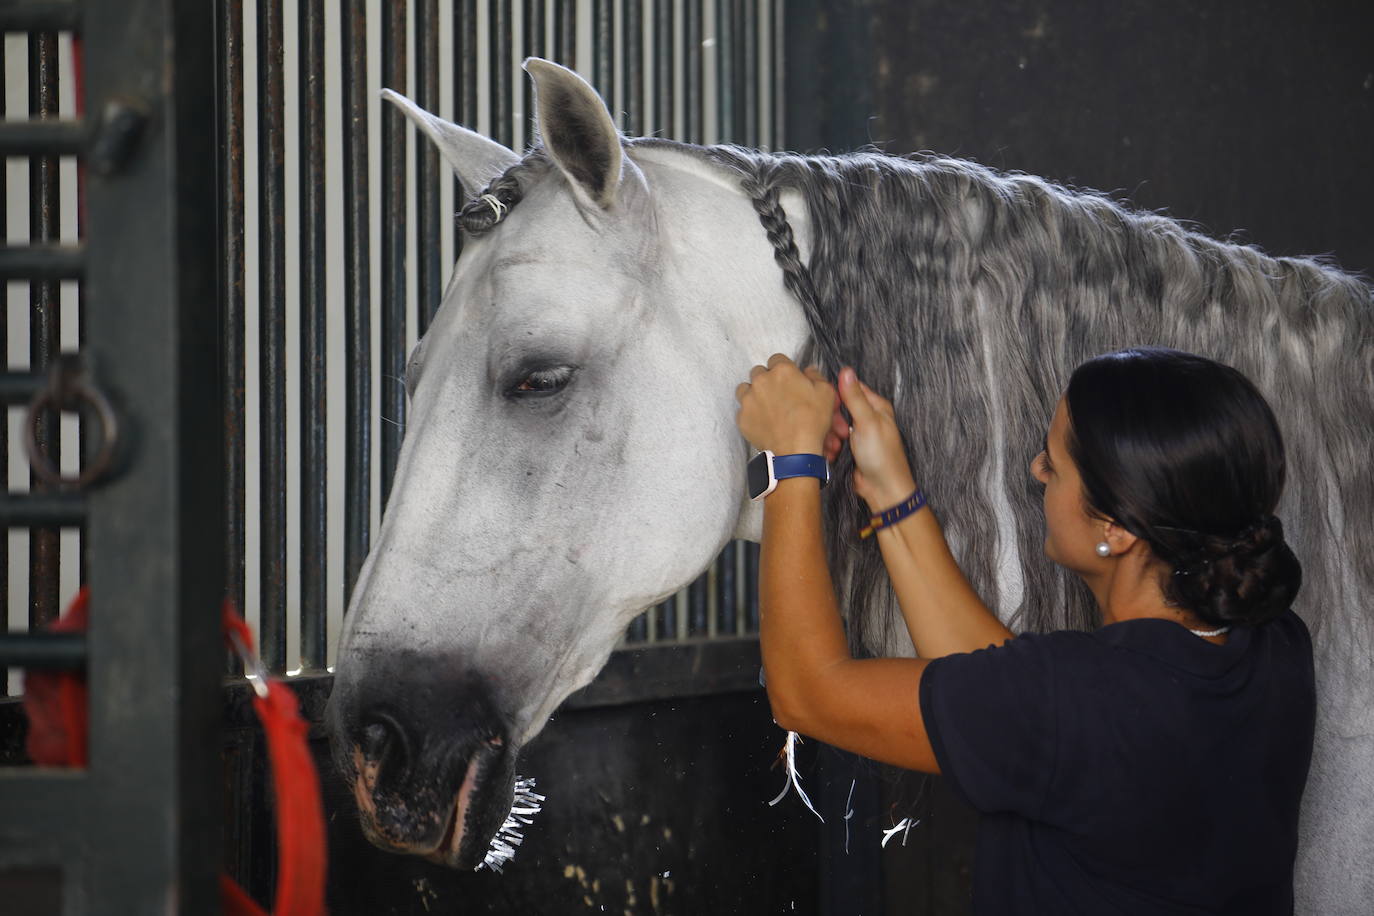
(431,779)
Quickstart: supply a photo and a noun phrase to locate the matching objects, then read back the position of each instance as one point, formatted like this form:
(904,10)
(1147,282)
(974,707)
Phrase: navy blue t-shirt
(1135,770)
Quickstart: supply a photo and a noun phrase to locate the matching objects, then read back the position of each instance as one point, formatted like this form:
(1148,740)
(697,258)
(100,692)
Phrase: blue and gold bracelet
(914,503)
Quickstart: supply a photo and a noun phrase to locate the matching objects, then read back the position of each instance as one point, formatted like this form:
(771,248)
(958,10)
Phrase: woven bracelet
(913,503)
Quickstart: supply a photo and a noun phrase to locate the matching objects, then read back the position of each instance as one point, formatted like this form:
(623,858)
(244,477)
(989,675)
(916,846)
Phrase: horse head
(570,457)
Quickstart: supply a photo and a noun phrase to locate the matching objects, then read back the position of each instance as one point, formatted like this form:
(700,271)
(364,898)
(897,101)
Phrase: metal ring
(253,668)
(67,388)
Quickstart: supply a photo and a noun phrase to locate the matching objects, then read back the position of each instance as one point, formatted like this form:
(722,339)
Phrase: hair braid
(763,194)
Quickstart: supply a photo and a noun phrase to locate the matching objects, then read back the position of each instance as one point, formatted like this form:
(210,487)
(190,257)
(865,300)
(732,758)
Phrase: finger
(879,402)
(839,426)
(777,359)
(755,372)
(832,447)
(741,390)
(814,373)
(853,392)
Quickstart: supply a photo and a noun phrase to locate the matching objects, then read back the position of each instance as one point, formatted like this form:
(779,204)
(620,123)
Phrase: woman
(1153,766)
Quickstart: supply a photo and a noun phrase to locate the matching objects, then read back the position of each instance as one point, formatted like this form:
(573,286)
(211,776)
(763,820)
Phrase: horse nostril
(383,743)
(375,739)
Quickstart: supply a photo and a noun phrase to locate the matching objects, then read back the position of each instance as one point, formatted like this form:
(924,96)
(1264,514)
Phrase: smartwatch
(766,469)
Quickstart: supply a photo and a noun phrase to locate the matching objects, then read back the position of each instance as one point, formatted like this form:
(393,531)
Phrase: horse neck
(720,258)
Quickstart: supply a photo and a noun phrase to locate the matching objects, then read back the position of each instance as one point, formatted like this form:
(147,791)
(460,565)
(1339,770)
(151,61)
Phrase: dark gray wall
(1253,118)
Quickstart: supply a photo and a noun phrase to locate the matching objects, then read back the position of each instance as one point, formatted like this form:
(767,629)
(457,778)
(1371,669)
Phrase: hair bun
(1259,537)
(1245,579)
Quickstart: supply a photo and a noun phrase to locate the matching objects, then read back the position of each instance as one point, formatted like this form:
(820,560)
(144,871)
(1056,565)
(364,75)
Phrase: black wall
(1254,118)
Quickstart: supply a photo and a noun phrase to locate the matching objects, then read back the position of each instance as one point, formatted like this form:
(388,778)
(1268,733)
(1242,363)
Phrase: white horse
(571,455)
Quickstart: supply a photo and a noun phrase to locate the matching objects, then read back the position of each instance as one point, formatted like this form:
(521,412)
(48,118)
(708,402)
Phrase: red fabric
(300,818)
(55,702)
(56,706)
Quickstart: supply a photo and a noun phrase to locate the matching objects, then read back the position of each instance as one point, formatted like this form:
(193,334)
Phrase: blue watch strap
(801,466)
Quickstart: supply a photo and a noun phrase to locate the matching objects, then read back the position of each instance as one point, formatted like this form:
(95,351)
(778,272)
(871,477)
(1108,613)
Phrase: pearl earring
(1104,549)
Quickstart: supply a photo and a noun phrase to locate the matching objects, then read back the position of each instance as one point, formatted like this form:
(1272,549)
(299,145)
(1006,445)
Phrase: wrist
(799,447)
(890,494)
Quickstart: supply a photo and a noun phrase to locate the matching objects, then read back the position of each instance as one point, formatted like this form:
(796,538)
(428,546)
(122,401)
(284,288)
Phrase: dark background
(1255,119)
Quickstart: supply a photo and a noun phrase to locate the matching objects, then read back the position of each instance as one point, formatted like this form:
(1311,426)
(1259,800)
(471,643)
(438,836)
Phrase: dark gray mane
(973,295)
(970,296)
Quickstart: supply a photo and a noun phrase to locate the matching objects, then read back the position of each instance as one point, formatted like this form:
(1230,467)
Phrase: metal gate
(72,840)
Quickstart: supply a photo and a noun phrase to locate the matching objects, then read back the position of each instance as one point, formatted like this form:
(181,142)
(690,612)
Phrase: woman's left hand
(789,411)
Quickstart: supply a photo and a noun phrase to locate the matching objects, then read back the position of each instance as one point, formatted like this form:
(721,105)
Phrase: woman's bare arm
(867,706)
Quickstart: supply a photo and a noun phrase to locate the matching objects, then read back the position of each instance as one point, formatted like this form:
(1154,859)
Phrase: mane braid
(764,196)
(478,217)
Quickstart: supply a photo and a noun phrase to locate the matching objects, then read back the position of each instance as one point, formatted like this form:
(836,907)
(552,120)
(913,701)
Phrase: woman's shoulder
(1147,642)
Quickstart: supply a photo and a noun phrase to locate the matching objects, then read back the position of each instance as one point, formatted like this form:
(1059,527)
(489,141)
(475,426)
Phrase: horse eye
(544,382)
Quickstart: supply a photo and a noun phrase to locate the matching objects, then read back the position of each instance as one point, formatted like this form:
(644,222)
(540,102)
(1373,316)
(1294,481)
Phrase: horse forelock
(478,216)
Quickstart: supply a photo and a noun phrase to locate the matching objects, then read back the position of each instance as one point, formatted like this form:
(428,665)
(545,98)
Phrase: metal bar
(467,44)
(42,650)
(726,37)
(86,443)
(45,321)
(465,93)
(465,76)
(639,629)
(727,590)
(666,619)
(749,71)
(42,261)
(779,76)
(428,251)
(393,342)
(17,387)
(565,33)
(603,51)
(358,296)
(632,50)
(54,510)
(751,587)
(498,20)
(664,62)
(272,331)
(34,16)
(53,138)
(533,34)
(155,530)
(233,262)
(697,621)
(4,364)
(314,300)
(693,119)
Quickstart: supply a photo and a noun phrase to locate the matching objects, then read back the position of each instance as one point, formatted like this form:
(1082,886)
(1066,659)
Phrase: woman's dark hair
(1185,454)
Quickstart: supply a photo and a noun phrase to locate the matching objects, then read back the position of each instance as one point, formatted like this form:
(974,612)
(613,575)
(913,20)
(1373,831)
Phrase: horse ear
(475,159)
(577,131)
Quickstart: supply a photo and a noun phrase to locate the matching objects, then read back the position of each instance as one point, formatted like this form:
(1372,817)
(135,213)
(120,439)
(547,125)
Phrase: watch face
(758,475)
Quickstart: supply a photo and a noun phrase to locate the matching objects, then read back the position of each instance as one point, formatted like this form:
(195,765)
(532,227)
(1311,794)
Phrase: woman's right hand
(882,474)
